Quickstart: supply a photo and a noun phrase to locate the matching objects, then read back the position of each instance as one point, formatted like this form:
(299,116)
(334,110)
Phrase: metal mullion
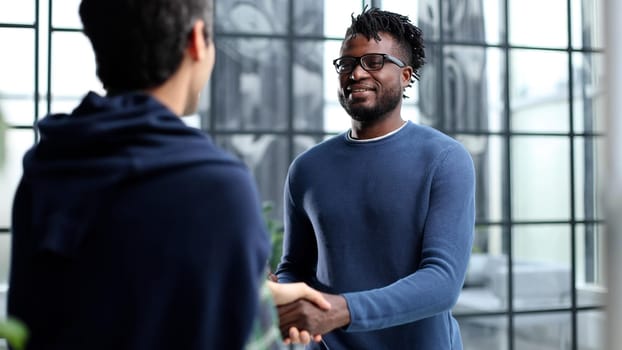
(291,49)
(37,96)
(573,226)
(18,25)
(49,61)
(507,200)
(441,49)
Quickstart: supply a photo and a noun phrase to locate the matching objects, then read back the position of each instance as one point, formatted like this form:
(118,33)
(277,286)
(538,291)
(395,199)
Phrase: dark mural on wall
(265,83)
(453,91)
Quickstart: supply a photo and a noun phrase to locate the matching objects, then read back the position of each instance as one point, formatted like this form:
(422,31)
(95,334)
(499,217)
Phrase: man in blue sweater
(380,218)
(130,229)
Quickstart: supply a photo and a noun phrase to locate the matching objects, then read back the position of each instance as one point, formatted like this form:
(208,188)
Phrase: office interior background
(521,83)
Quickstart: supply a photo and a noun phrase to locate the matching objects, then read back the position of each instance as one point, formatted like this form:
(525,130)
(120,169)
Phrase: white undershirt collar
(349,135)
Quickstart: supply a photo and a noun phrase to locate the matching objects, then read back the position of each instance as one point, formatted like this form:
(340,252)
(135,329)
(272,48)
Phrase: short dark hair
(408,36)
(139,44)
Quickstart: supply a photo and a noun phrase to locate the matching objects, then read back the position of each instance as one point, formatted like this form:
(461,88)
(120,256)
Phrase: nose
(357,72)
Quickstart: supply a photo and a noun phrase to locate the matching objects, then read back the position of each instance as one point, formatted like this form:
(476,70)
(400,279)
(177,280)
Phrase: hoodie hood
(83,156)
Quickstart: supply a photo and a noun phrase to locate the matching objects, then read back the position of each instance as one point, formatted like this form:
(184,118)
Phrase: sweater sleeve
(446,247)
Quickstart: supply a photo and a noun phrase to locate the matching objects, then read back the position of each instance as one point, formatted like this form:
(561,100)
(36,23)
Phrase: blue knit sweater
(387,223)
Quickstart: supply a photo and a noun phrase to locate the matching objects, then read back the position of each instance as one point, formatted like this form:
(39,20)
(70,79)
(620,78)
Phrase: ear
(407,73)
(196,41)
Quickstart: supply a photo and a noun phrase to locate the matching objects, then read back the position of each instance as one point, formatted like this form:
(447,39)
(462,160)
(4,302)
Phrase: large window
(518,82)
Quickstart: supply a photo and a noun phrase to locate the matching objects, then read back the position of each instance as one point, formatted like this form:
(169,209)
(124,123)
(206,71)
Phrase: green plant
(15,332)
(275,229)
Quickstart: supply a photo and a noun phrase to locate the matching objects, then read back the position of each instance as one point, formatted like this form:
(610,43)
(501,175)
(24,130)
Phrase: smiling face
(373,96)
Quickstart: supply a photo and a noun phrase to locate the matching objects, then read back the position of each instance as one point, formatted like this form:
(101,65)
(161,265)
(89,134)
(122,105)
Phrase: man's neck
(362,130)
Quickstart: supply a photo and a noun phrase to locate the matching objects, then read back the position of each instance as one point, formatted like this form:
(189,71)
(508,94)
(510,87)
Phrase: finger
(317,338)
(272,277)
(305,337)
(294,335)
(317,298)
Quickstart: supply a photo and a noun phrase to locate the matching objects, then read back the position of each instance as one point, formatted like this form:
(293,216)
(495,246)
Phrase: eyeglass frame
(358,62)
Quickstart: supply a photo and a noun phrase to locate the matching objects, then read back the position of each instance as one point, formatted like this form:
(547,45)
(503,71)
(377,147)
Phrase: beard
(384,104)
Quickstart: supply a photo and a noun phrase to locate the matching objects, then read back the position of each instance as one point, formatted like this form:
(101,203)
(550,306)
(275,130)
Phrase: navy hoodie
(133,231)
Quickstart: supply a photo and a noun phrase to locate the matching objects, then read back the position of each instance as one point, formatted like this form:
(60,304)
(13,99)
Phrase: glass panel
(474,89)
(266,155)
(540,178)
(488,153)
(72,74)
(539,91)
(527,23)
(13,144)
(310,60)
(484,333)
(591,326)
(486,274)
(590,261)
(473,20)
(550,331)
(257,17)
(327,18)
(429,17)
(587,24)
(18,12)
(5,258)
(335,118)
(589,92)
(65,14)
(589,177)
(18,76)
(251,83)
(541,266)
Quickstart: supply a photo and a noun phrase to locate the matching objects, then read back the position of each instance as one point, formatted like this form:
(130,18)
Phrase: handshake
(305,313)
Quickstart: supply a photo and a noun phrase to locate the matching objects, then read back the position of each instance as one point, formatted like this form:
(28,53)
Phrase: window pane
(428,17)
(590,264)
(540,178)
(324,18)
(251,84)
(549,331)
(259,17)
(473,89)
(310,66)
(473,21)
(589,177)
(13,144)
(530,18)
(72,75)
(488,153)
(486,275)
(589,92)
(591,326)
(335,118)
(17,12)
(484,333)
(539,91)
(65,14)
(266,156)
(541,266)
(17,84)
(5,258)
(587,24)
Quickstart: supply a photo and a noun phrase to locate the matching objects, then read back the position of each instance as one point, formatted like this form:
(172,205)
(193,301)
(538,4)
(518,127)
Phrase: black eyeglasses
(370,62)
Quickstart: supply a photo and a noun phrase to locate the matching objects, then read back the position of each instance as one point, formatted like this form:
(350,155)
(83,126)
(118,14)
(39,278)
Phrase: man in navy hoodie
(130,229)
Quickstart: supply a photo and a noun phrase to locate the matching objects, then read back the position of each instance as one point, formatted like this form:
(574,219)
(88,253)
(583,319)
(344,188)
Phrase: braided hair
(409,37)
